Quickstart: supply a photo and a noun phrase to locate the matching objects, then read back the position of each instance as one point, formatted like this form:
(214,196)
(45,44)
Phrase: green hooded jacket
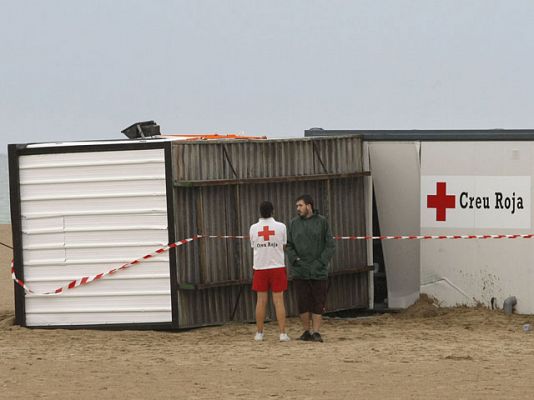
(310,247)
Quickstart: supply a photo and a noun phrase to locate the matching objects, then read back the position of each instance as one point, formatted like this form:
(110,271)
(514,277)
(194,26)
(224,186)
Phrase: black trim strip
(429,135)
(112,327)
(23,150)
(16,229)
(244,282)
(272,179)
(172,236)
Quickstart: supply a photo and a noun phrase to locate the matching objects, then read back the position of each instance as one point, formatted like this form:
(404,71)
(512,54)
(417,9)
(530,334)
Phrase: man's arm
(329,248)
(250,236)
(284,237)
(292,255)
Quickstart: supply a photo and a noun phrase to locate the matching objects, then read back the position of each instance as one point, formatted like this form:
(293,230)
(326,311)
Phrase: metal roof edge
(268,140)
(429,135)
(159,139)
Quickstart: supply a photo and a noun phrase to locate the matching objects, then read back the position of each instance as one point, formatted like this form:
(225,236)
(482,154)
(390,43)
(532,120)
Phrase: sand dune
(424,352)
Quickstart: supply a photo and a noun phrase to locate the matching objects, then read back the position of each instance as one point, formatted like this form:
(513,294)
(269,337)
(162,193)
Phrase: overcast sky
(73,70)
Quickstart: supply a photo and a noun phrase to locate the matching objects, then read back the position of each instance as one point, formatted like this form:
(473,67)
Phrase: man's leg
(280,309)
(302,291)
(316,322)
(305,319)
(319,289)
(261,306)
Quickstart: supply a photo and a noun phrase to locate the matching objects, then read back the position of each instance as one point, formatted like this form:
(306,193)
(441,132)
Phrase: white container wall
(454,182)
(85,213)
(489,191)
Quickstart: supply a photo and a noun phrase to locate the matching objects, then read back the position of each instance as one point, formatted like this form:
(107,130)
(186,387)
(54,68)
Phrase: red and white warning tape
(88,279)
(422,237)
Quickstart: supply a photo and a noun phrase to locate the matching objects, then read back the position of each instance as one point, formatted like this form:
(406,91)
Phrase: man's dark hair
(266,209)
(306,198)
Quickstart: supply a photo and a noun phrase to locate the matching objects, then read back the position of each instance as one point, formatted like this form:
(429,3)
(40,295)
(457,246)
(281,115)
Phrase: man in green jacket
(310,247)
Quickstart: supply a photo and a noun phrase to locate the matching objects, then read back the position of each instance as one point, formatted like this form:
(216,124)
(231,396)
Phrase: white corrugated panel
(84,214)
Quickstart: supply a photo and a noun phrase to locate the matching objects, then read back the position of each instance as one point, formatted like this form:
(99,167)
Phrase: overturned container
(81,209)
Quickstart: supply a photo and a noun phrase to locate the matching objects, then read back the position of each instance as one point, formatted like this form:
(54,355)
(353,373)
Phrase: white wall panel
(43,239)
(142,209)
(100,318)
(395,172)
(67,303)
(71,171)
(148,268)
(475,271)
(55,189)
(42,225)
(117,285)
(130,253)
(104,157)
(44,255)
(84,214)
(127,236)
(145,221)
(91,203)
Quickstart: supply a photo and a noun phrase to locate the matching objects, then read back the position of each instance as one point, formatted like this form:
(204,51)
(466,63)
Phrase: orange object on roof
(212,136)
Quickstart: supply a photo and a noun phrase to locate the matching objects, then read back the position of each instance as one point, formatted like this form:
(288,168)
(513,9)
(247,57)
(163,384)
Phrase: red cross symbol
(266,233)
(441,201)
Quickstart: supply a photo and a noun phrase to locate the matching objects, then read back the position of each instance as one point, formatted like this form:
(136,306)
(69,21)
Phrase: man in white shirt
(268,238)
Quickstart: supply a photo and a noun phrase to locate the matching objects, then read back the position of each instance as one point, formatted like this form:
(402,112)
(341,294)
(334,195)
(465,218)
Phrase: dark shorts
(311,295)
(274,278)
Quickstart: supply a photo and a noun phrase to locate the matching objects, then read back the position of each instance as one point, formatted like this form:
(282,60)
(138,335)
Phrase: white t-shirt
(267,238)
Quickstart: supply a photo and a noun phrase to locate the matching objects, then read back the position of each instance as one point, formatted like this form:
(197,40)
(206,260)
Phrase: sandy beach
(423,352)
(6,285)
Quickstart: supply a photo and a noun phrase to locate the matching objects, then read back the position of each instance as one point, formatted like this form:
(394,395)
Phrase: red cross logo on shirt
(441,201)
(266,233)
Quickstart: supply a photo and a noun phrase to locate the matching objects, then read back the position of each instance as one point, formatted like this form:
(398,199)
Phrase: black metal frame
(16,150)
(428,134)
(172,235)
(275,179)
(248,282)
(16,229)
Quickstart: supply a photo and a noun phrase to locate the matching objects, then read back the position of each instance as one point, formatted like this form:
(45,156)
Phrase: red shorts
(274,278)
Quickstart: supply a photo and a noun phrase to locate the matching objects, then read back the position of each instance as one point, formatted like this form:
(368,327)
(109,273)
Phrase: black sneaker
(306,336)
(316,337)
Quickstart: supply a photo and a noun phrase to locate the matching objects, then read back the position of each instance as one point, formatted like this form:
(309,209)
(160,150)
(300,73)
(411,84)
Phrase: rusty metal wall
(214,274)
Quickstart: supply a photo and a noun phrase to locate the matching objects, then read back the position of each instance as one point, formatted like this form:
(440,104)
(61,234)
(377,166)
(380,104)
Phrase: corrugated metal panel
(270,158)
(216,267)
(77,220)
